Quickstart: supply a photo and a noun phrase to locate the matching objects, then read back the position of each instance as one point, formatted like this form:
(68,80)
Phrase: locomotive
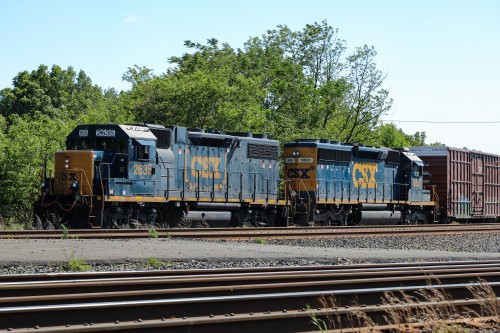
(122,176)
(330,183)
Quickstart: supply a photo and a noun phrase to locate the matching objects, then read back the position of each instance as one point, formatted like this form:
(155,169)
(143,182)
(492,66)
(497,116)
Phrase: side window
(142,152)
(415,170)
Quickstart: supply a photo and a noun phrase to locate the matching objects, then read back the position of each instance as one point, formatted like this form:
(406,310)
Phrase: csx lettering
(363,174)
(298,173)
(204,167)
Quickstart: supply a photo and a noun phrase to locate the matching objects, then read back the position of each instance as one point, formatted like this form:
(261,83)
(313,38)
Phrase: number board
(105,132)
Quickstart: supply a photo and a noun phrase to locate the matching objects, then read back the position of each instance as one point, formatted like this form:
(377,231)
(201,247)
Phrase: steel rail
(227,276)
(251,233)
(192,288)
(237,307)
(284,321)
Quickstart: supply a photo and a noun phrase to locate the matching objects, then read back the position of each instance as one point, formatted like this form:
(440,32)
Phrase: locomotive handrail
(308,195)
(108,165)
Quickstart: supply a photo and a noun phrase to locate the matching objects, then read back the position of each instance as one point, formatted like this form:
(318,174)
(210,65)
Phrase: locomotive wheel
(174,217)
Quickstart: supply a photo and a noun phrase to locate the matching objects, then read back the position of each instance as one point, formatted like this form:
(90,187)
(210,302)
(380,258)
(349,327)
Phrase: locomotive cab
(411,178)
(100,161)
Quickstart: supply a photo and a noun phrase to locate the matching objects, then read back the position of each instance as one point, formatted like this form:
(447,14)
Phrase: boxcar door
(477,170)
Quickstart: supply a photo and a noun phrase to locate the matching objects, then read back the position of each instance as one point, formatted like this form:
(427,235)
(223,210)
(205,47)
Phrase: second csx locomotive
(116,176)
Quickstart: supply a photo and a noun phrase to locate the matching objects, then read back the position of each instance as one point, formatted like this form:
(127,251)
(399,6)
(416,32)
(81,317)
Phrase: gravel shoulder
(363,249)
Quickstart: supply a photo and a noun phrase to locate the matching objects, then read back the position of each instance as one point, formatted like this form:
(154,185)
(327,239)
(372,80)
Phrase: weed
(488,301)
(153,233)
(318,323)
(155,263)
(259,240)
(65,233)
(418,308)
(76,265)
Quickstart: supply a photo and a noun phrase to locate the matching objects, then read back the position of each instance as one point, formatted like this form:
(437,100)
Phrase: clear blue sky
(442,58)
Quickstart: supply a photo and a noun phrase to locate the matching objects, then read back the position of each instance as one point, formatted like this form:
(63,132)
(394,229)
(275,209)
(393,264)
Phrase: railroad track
(283,299)
(252,233)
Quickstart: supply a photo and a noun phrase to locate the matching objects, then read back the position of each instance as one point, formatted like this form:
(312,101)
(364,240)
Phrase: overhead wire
(440,122)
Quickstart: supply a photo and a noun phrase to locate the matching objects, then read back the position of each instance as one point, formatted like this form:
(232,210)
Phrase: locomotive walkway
(283,299)
(252,233)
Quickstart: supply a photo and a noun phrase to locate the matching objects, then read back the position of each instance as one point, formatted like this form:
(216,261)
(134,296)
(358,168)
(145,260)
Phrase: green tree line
(288,84)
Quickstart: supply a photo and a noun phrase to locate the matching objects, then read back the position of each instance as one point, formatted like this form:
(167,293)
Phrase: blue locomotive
(122,176)
(118,176)
(329,183)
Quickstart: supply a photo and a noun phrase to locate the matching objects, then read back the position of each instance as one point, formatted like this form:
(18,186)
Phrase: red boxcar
(467,182)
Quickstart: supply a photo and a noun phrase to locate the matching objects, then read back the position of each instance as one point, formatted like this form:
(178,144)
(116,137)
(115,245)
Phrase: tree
(35,116)
(205,89)
(56,93)
(29,140)
(136,75)
(390,136)
(285,83)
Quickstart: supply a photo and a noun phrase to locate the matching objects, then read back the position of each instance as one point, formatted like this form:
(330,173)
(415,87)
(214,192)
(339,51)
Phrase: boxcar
(467,182)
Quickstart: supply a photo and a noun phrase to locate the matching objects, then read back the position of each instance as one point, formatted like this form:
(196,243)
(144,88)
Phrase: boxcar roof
(443,151)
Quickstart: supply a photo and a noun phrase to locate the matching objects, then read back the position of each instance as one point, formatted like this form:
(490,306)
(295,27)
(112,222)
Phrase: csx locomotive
(121,176)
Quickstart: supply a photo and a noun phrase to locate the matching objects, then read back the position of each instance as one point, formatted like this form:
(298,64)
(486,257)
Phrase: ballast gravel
(19,256)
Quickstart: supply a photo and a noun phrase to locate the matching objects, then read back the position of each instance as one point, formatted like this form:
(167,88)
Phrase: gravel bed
(46,256)
(471,243)
(171,265)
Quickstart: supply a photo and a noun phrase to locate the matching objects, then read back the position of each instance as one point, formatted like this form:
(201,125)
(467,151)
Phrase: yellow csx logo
(363,175)
(201,166)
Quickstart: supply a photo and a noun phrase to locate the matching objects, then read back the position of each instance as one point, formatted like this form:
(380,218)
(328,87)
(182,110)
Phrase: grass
(153,233)
(155,263)
(13,223)
(259,240)
(65,233)
(421,312)
(317,322)
(76,265)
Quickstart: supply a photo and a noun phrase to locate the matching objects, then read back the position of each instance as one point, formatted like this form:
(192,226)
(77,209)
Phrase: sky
(441,57)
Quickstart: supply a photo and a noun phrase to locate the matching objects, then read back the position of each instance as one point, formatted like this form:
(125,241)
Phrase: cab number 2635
(143,169)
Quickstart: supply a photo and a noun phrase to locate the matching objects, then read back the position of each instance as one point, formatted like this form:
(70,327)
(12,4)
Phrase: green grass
(153,233)
(65,233)
(155,263)
(76,265)
(259,240)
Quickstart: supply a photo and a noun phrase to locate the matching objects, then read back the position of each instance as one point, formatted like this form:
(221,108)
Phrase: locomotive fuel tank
(377,217)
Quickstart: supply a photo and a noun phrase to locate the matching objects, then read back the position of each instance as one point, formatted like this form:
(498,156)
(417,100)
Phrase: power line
(441,122)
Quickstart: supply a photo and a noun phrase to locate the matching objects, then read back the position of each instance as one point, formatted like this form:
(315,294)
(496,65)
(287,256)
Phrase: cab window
(143,150)
(416,170)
